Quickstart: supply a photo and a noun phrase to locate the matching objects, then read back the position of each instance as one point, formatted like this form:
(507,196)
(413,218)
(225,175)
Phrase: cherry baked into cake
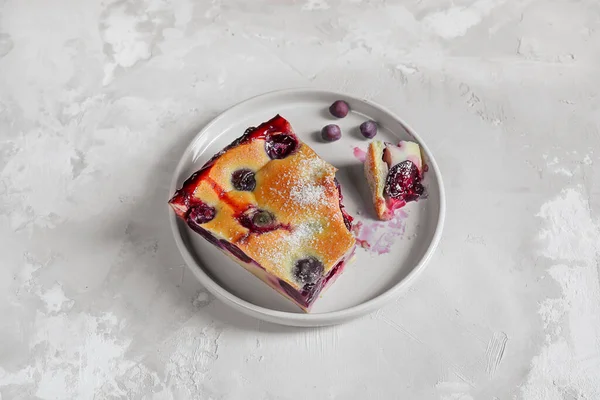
(274,206)
(395,174)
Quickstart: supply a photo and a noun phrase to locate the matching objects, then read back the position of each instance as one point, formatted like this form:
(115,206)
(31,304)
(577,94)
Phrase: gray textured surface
(99,99)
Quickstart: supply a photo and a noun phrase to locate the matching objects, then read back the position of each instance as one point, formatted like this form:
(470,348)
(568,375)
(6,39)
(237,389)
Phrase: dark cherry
(368,129)
(339,189)
(243,179)
(308,270)
(404,182)
(203,232)
(339,109)
(331,133)
(294,294)
(334,270)
(280,146)
(258,221)
(233,249)
(263,219)
(347,218)
(201,213)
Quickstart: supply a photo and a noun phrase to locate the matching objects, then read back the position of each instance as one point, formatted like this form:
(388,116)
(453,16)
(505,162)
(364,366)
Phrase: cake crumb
(363,243)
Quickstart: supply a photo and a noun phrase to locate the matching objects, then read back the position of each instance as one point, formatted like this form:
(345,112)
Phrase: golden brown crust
(299,190)
(376,172)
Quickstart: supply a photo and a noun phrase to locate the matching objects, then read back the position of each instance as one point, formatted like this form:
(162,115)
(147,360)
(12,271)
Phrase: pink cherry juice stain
(360,154)
(379,237)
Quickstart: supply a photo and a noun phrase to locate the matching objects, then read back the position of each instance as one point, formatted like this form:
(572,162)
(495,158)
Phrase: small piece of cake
(274,206)
(394,173)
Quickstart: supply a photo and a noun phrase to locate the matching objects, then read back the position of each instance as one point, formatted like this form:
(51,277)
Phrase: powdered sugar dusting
(312,169)
(570,233)
(305,184)
(308,188)
(303,233)
(301,236)
(303,187)
(308,194)
(566,366)
(193,351)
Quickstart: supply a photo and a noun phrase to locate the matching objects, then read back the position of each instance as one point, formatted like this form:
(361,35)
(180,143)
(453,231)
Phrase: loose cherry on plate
(368,129)
(331,133)
(339,109)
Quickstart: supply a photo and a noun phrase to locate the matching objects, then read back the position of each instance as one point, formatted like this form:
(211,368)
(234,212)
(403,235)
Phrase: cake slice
(394,173)
(274,206)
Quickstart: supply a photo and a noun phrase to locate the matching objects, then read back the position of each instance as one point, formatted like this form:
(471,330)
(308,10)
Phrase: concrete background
(99,99)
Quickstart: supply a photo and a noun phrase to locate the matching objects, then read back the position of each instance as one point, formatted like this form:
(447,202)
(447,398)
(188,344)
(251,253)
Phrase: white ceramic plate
(399,249)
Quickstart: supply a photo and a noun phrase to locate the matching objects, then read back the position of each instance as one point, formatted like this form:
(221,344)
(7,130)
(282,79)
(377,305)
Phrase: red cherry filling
(280,146)
(308,270)
(201,214)
(347,218)
(236,251)
(404,182)
(243,180)
(293,293)
(203,232)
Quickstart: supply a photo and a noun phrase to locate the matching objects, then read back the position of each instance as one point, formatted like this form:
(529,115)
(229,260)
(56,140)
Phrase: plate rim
(306,319)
